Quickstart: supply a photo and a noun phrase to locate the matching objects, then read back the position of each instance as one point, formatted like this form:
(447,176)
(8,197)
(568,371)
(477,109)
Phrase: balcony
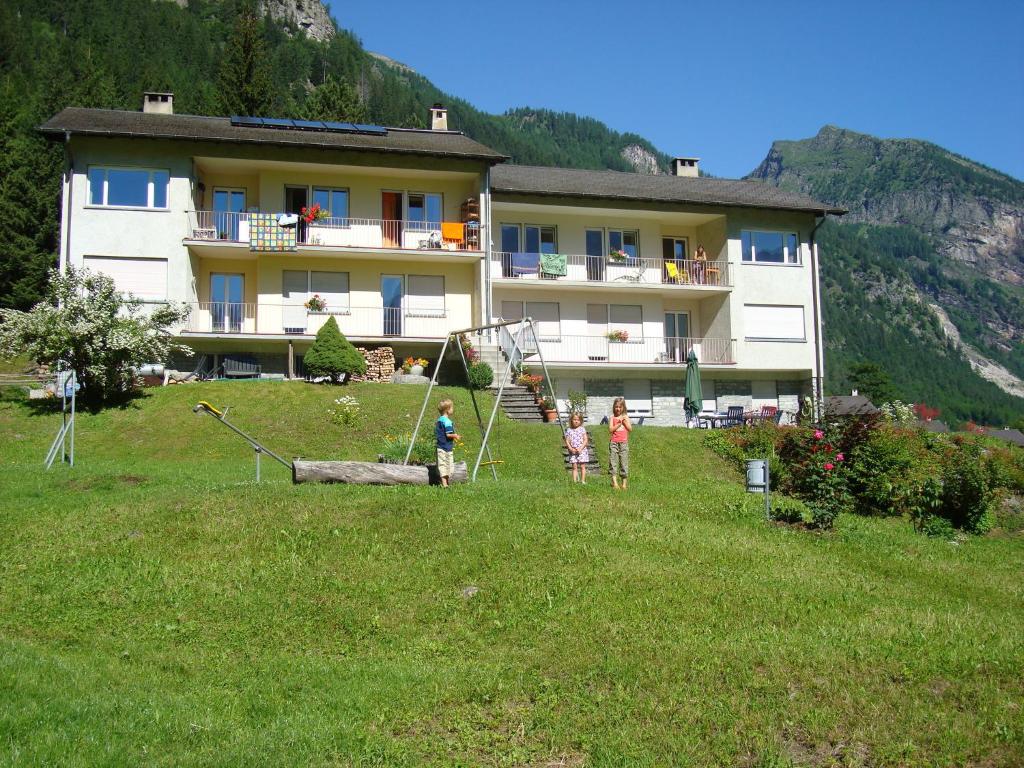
(218,226)
(295,320)
(659,350)
(679,273)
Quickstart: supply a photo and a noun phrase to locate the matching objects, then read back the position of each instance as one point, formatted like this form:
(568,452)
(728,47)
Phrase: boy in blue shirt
(446,435)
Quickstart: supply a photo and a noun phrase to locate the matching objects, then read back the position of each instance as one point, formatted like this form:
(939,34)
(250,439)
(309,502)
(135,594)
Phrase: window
(333,201)
(426,296)
(627,317)
(770,247)
(674,248)
(424,210)
(128,187)
(774,323)
(540,239)
(510,238)
(298,285)
(627,240)
(144,278)
(511,310)
(545,315)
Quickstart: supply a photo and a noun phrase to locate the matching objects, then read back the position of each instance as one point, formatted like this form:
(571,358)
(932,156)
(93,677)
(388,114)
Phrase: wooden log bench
(372,473)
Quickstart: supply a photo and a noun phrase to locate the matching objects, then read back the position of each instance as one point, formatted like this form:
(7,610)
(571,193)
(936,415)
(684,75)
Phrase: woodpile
(380,364)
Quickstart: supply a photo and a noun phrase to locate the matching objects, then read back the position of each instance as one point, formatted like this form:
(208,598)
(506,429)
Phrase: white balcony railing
(346,233)
(601,269)
(408,321)
(658,349)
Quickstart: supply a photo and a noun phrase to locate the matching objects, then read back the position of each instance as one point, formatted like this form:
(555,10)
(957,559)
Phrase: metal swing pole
(426,399)
(479,421)
(497,399)
(547,376)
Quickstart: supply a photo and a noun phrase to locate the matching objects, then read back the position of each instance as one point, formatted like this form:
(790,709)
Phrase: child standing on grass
(446,436)
(578,443)
(619,427)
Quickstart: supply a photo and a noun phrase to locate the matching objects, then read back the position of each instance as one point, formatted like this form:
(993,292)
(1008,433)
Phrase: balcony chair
(768,413)
(734,416)
(712,274)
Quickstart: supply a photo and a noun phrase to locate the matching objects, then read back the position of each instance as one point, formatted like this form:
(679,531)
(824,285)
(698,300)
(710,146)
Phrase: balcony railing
(408,321)
(657,349)
(345,233)
(601,269)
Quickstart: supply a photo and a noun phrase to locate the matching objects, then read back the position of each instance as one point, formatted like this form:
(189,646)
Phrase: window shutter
(426,296)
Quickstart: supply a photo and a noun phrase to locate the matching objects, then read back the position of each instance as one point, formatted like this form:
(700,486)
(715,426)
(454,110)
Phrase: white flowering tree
(92,327)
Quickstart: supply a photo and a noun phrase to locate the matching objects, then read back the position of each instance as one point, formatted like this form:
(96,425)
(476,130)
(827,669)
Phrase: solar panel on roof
(309,125)
(340,127)
(373,130)
(244,120)
(276,122)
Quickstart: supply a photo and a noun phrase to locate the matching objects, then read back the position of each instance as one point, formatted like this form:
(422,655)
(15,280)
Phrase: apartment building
(420,232)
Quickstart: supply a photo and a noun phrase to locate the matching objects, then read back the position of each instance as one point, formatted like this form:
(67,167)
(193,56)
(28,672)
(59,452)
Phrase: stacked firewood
(380,364)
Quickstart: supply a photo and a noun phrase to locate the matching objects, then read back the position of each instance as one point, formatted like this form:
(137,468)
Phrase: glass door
(226,307)
(673,251)
(392,290)
(295,199)
(677,332)
(228,205)
(595,254)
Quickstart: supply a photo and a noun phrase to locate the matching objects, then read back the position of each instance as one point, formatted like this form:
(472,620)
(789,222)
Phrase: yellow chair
(674,275)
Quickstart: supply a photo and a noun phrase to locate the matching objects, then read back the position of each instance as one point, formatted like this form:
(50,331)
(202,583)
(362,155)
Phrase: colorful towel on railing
(453,230)
(265,234)
(525,264)
(553,264)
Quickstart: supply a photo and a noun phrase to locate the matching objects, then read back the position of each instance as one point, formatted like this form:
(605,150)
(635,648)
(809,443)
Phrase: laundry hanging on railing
(553,264)
(265,234)
(525,264)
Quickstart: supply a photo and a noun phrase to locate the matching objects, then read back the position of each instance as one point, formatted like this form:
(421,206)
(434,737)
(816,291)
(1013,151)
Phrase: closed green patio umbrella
(694,394)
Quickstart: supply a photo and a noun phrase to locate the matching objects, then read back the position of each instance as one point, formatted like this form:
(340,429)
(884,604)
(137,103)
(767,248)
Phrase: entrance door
(295,199)
(226,307)
(392,290)
(677,332)
(391,213)
(228,204)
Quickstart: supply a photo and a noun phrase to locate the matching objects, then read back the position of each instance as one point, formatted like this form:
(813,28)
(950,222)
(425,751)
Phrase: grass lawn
(157,607)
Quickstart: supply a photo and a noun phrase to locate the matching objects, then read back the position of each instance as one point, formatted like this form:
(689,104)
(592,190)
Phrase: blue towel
(525,263)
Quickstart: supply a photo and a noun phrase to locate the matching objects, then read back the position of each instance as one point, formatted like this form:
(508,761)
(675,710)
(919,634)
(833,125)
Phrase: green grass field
(157,607)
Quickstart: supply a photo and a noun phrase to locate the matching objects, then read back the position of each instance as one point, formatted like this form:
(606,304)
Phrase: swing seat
(492,461)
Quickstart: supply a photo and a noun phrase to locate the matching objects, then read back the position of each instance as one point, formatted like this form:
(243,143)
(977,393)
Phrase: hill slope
(953,238)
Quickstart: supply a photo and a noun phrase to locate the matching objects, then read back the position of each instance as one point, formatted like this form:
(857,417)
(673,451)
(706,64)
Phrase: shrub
(886,472)
(480,376)
(333,356)
(787,510)
(578,402)
(966,488)
(936,526)
(816,472)
(88,324)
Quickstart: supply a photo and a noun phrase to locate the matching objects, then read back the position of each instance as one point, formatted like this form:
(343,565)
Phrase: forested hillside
(926,227)
(105,53)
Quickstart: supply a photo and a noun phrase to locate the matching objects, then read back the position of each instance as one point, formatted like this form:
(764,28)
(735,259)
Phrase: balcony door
(391,213)
(596,253)
(677,332)
(674,251)
(295,199)
(226,307)
(392,290)
(228,204)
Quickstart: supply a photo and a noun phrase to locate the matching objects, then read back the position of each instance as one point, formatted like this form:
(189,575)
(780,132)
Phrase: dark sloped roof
(933,425)
(110,122)
(849,405)
(616,185)
(1014,436)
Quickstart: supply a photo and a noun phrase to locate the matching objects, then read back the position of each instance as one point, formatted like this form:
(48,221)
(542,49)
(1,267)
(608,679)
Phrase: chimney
(438,118)
(158,103)
(686,166)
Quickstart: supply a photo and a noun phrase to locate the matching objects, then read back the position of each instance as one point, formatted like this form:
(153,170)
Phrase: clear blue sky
(722,80)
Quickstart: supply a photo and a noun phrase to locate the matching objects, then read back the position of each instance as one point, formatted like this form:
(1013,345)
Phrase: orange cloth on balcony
(453,230)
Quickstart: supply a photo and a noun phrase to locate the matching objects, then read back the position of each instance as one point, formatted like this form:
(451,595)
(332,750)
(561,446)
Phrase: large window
(765,322)
(770,247)
(332,287)
(546,316)
(627,240)
(426,296)
(627,317)
(144,278)
(128,187)
(425,210)
(334,201)
(510,238)
(540,239)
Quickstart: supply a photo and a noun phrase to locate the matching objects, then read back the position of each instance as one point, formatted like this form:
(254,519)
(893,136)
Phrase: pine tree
(335,100)
(245,83)
(333,355)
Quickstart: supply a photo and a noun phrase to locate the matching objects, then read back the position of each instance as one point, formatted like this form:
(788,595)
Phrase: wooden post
(291,359)
(371,473)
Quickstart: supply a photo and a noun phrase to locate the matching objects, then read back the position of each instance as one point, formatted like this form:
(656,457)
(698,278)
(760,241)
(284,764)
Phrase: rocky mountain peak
(642,160)
(310,16)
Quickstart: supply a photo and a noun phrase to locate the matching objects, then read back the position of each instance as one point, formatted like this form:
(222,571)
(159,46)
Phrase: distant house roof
(1014,436)
(933,425)
(120,123)
(616,185)
(849,405)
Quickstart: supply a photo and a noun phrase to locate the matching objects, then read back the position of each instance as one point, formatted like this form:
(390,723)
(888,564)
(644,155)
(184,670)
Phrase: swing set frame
(515,355)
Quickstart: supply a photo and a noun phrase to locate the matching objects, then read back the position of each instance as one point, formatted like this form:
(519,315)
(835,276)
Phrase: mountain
(932,252)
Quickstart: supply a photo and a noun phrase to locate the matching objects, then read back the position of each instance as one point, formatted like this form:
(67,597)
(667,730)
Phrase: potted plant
(618,256)
(313,213)
(549,407)
(316,303)
(618,335)
(414,366)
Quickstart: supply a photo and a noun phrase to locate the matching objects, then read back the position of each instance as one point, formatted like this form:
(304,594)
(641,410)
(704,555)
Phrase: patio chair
(734,416)
(768,413)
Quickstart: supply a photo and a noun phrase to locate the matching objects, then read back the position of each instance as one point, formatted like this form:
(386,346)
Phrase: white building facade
(422,232)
